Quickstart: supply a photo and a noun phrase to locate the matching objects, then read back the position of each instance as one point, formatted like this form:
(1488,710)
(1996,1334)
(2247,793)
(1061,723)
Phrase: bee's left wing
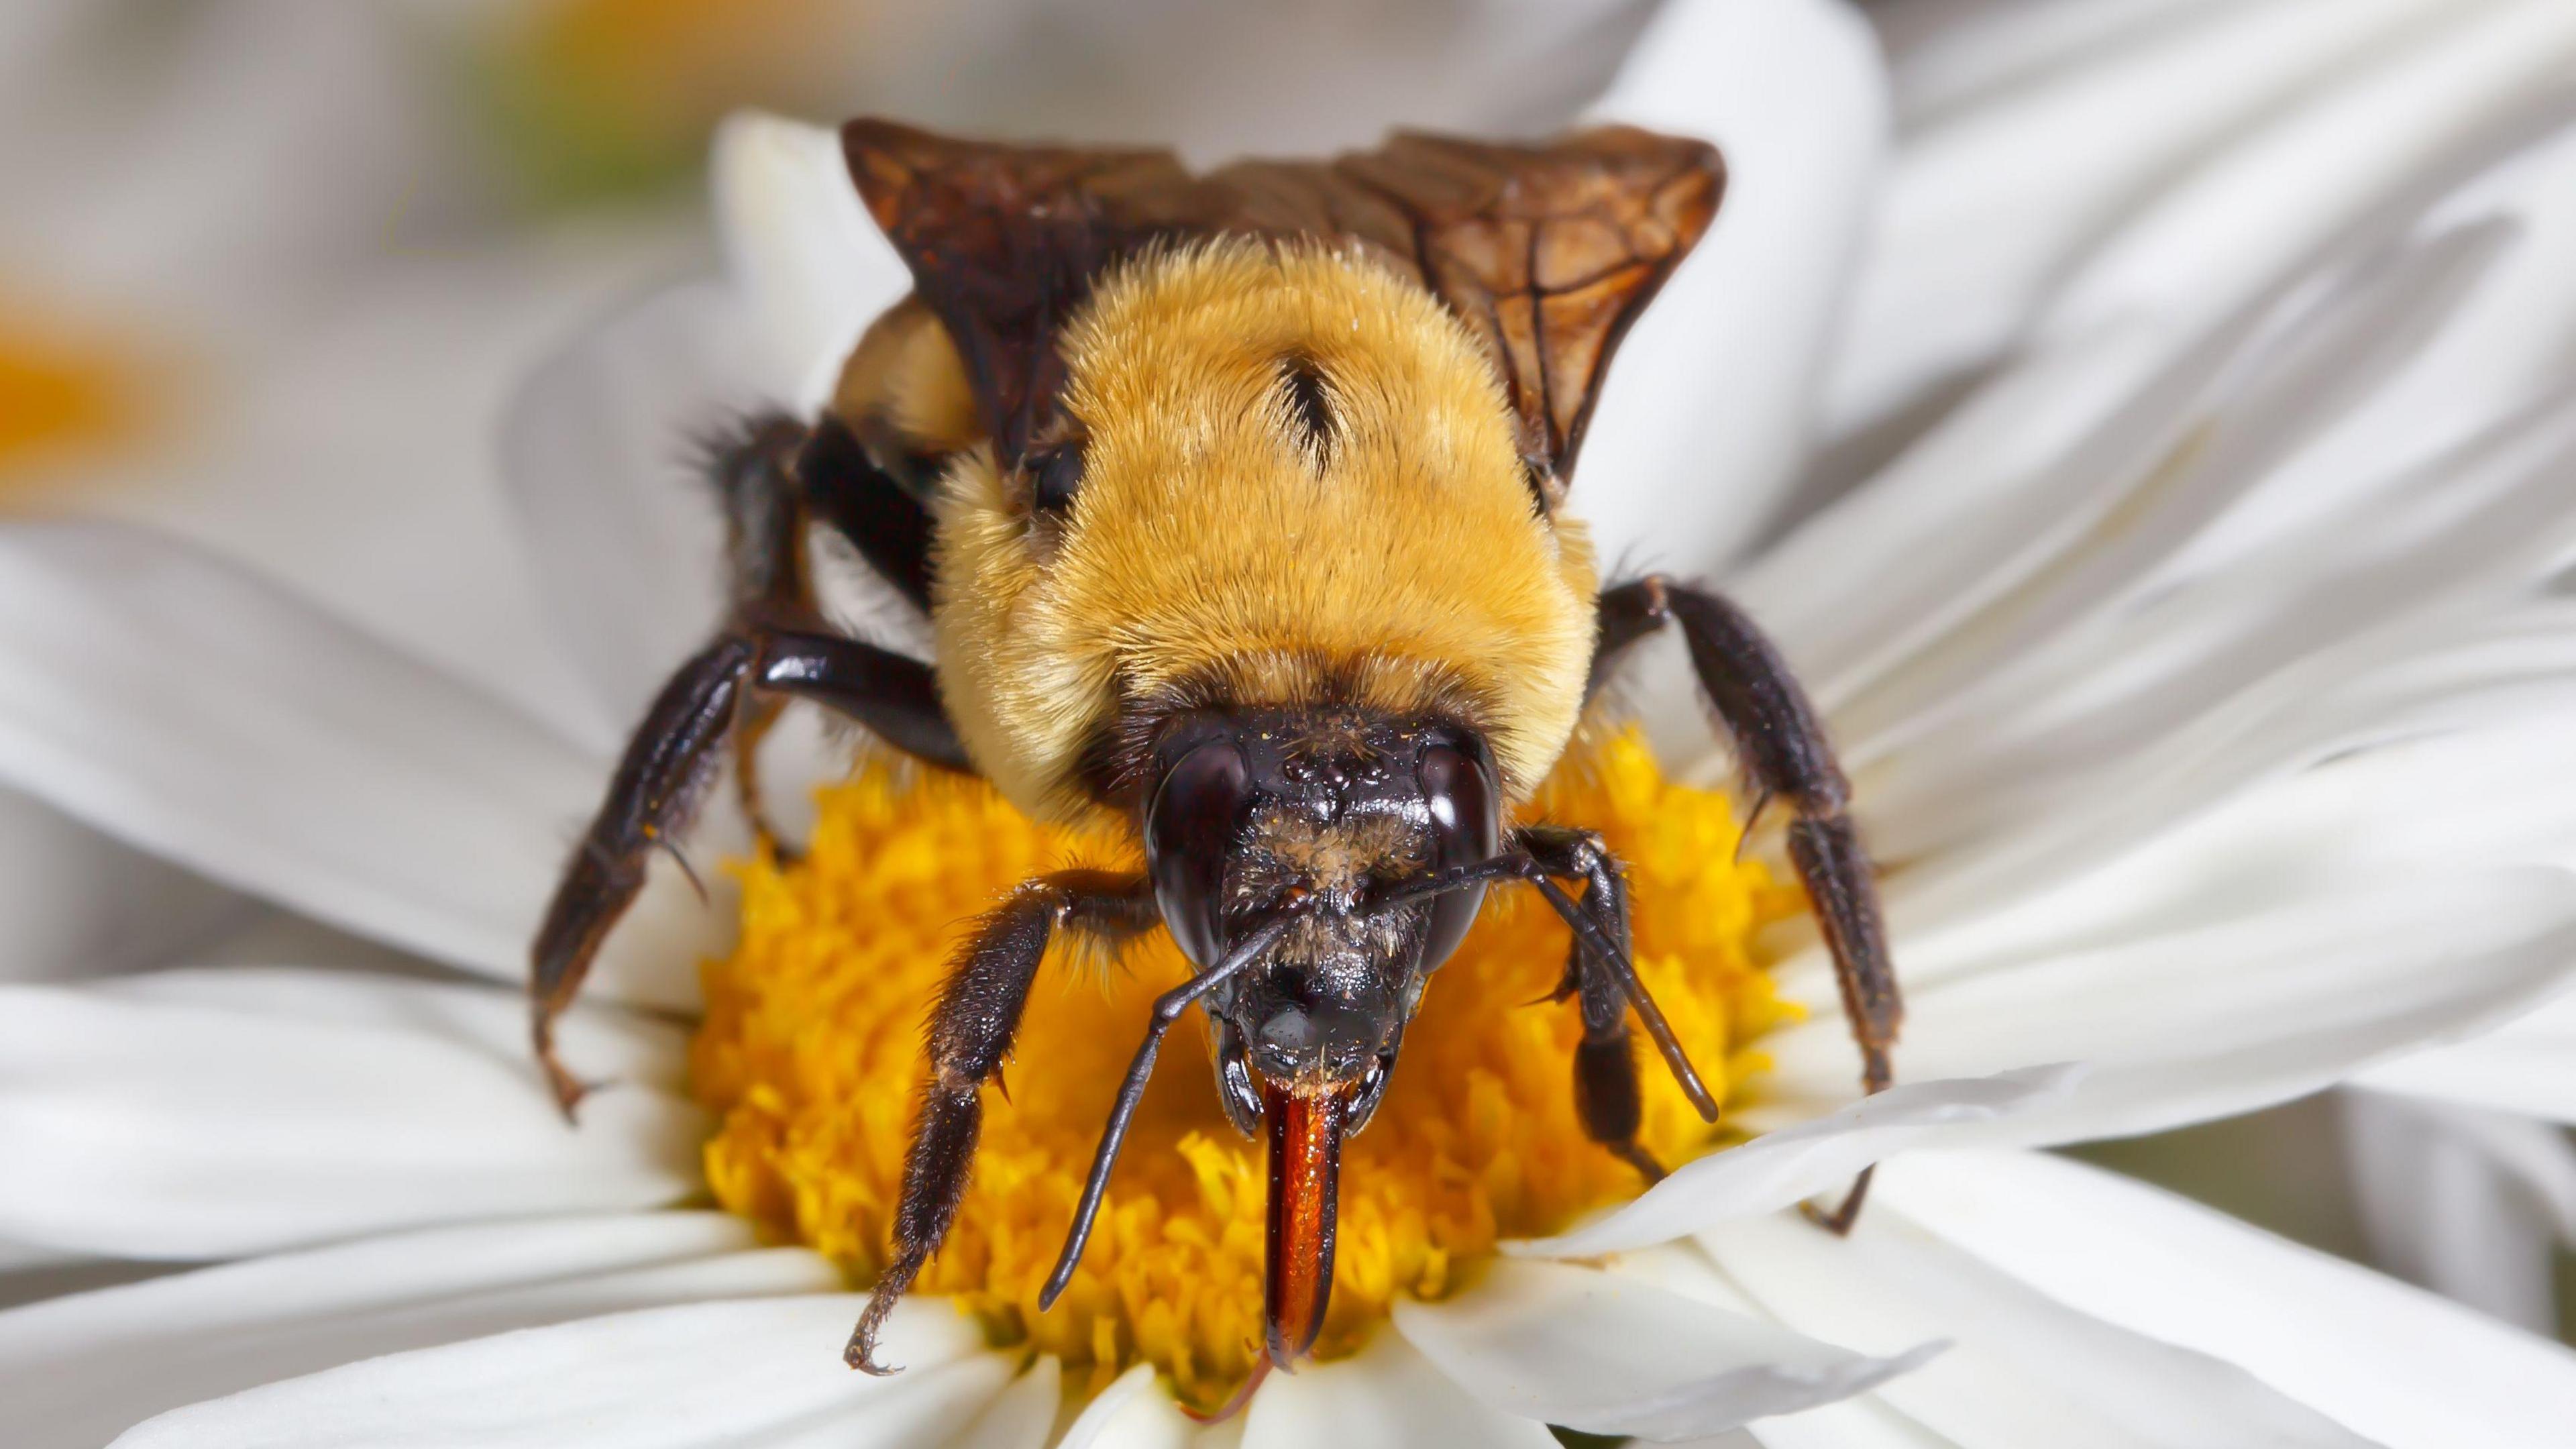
(1547,251)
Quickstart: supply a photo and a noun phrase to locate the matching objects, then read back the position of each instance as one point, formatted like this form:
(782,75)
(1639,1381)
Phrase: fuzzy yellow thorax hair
(1222,545)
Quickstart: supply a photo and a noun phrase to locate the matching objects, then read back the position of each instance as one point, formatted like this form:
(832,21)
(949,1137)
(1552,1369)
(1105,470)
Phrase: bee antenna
(1168,1008)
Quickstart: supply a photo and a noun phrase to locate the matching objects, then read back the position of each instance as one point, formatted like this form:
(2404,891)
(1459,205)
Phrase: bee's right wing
(1003,242)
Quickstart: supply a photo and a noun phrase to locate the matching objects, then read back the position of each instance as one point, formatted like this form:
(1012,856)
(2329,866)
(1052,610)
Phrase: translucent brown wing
(1548,251)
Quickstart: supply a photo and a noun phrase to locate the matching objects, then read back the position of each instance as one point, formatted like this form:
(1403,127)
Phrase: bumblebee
(1235,503)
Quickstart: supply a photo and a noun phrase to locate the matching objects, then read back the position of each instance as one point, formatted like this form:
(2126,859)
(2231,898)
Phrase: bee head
(1307,813)
(1256,810)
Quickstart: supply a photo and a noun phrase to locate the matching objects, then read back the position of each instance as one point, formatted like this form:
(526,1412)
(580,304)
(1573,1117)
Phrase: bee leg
(885,521)
(970,1032)
(778,479)
(1605,1062)
(1781,745)
(767,581)
(662,779)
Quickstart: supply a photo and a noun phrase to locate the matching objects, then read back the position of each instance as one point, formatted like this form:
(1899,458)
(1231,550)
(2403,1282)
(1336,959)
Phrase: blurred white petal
(2022,1368)
(77,903)
(169,159)
(192,710)
(598,454)
(75,1362)
(2527,1066)
(2217,1017)
(1782,1166)
(216,1113)
(707,1374)
(1608,1354)
(2460,1201)
(2390,1362)
(1388,1396)
(809,262)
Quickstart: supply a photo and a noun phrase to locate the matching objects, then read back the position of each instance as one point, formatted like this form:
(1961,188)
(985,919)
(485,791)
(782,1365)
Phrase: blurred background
(270,270)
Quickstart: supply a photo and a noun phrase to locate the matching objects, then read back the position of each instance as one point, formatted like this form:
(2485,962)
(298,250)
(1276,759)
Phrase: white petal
(1792,91)
(2214,1019)
(1387,1397)
(2023,1368)
(183,706)
(597,451)
(767,1372)
(75,1360)
(2443,1204)
(211,1114)
(2440,803)
(2421,677)
(2528,1066)
(1021,1416)
(2011,728)
(75,903)
(2109,659)
(1781,1167)
(1863,1423)
(809,262)
(2063,484)
(603,455)
(1608,1354)
(2250,130)
(1132,1413)
(2399,1365)
(2424,111)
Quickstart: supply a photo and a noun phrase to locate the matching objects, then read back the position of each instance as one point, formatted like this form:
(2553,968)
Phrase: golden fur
(1216,549)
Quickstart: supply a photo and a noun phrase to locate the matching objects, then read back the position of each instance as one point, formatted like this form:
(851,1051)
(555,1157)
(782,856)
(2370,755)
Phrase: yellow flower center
(810,1057)
(59,394)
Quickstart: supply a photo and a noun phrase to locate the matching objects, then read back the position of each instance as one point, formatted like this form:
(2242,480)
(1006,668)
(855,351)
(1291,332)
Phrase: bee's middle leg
(1605,1061)
(970,1033)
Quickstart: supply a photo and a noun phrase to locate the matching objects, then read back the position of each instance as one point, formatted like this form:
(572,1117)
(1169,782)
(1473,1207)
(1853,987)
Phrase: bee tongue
(1305,1122)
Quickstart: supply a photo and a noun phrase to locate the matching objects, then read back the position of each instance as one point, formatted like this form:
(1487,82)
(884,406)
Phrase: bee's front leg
(1781,746)
(970,1032)
(659,784)
(1605,1062)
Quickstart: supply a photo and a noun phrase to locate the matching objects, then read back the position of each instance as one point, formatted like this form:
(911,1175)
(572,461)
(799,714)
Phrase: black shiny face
(1257,810)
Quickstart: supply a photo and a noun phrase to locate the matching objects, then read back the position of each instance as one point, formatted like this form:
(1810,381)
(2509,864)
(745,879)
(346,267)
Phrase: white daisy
(2072,676)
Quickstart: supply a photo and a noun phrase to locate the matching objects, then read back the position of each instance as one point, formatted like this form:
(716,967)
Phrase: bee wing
(1547,251)
(1003,242)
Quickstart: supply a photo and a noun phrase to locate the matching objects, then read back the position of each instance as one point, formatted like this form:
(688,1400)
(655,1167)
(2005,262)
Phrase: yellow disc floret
(811,1058)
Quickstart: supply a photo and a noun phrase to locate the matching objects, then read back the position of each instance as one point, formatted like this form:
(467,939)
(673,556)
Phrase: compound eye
(1189,835)
(1466,824)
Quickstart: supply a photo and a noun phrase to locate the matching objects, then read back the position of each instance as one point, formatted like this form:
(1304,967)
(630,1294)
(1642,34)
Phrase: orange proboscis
(1305,1120)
